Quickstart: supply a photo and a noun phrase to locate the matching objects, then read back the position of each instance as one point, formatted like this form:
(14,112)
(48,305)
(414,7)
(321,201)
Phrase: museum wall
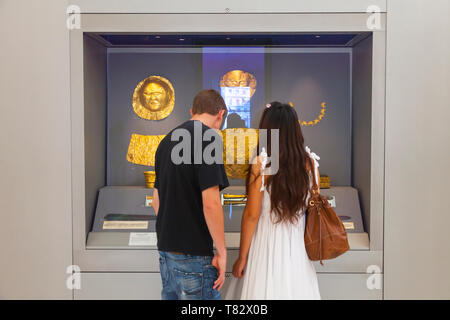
(417,150)
(35,184)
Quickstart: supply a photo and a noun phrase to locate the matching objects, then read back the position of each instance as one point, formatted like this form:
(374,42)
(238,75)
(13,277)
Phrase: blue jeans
(187,277)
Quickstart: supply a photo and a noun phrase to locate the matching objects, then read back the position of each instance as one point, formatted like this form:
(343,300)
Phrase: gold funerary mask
(153,98)
(239,78)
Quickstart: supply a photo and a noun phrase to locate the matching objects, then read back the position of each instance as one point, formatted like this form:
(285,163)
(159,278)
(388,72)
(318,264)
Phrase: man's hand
(220,262)
(213,211)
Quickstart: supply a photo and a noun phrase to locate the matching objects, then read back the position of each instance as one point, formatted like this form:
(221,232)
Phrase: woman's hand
(239,266)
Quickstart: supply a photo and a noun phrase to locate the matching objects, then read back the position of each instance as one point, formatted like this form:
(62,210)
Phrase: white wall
(35,195)
(417,216)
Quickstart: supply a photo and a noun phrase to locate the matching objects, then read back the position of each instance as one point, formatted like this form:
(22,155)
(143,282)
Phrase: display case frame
(146,260)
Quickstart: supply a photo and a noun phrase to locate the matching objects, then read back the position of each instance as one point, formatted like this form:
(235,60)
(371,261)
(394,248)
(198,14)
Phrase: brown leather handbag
(325,235)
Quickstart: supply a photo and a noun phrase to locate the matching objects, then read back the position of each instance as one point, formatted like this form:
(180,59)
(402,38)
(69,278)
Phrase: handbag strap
(263,166)
(315,187)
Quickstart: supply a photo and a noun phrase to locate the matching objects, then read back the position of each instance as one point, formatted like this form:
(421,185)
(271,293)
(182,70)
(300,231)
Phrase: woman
(273,263)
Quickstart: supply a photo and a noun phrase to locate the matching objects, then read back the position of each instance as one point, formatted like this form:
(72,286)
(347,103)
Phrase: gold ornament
(142,149)
(315,121)
(239,147)
(150,177)
(153,98)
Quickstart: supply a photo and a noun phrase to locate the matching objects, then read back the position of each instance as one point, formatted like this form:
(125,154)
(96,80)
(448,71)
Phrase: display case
(133,79)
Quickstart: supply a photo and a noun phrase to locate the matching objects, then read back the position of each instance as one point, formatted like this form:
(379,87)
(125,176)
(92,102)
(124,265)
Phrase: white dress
(278,266)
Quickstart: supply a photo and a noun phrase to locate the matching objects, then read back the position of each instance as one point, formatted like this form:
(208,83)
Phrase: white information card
(142,239)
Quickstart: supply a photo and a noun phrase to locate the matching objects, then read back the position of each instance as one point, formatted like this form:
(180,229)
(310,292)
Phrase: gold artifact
(150,177)
(315,121)
(239,147)
(153,98)
(239,78)
(148,200)
(234,199)
(142,149)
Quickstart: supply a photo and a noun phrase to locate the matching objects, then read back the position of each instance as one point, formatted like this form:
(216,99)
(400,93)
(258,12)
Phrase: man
(186,200)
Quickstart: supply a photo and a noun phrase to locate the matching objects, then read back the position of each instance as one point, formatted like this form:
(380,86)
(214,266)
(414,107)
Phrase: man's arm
(155,201)
(213,212)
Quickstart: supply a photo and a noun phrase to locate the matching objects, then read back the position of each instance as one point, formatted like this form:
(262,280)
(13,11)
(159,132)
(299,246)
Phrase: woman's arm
(250,218)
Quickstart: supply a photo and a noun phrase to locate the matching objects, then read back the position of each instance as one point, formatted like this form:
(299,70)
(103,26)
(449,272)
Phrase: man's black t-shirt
(181,224)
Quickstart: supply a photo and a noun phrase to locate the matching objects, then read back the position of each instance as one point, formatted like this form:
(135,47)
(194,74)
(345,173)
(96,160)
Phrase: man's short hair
(208,101)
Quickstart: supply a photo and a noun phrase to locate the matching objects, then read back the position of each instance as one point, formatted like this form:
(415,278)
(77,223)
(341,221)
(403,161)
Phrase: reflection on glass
(237,87)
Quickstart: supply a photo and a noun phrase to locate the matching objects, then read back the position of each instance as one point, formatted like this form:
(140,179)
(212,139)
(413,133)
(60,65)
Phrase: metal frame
(147,260)
(231,6)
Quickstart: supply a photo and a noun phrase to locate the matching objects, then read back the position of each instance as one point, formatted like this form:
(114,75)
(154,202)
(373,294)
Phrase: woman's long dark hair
(289,186)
